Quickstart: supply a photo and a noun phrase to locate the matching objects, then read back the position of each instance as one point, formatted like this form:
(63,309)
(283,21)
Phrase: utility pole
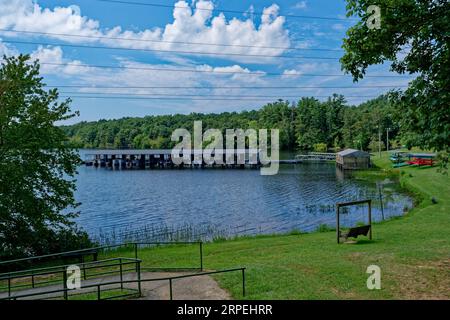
(379,141)
(387,138)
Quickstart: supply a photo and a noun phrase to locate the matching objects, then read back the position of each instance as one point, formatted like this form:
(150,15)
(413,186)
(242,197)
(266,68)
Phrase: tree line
(308,124)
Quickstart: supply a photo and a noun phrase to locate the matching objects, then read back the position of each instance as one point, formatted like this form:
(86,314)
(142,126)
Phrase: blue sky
(253,55)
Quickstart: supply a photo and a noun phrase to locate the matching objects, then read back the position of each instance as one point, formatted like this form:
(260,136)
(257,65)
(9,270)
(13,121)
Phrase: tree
(414,36)
(320,147)
(335,107)
(279,115)
(37,166)
(303,125)
(308,123)
(376,144)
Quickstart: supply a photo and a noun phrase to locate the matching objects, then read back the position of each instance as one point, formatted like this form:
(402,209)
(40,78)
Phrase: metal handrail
(139,281)
(35,272)
(57,254)
(58,267)
(61,254)
(63,270)
(23,273)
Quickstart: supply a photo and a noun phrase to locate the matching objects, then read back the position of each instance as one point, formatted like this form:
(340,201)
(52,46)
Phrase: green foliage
(153,131)
(308,125)
(310,118)
(320,147)
(279,115)
(414,36)
(376,145)
(367,121)
(320,122)
(37,165)
(443,158)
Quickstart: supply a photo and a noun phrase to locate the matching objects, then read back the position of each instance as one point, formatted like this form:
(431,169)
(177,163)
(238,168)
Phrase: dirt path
(192,288)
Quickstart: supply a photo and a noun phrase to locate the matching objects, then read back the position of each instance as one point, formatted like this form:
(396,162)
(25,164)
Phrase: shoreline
(412,251)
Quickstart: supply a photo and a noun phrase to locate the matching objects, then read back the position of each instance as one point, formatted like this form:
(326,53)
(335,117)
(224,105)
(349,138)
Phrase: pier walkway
(162,158)
(316,157)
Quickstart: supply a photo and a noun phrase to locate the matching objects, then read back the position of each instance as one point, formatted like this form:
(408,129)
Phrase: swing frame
(352,203)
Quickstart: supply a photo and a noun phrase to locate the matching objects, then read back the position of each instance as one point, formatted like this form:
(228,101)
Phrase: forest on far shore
(308,124)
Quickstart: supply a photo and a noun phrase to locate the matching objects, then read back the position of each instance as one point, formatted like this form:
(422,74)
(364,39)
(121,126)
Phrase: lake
(172,204)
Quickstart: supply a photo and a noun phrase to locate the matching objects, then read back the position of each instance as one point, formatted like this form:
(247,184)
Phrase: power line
(168,42)
(261,73)
(184,98)
(223,10)
(181,95)
(168,51)
(221,87)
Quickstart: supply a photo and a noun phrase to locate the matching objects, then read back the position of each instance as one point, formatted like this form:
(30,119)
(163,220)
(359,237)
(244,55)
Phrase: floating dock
(162,158)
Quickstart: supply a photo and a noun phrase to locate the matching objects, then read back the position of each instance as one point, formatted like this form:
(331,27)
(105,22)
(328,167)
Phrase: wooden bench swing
(354,232)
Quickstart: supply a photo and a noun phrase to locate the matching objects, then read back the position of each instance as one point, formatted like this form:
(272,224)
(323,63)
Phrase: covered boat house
(352,159)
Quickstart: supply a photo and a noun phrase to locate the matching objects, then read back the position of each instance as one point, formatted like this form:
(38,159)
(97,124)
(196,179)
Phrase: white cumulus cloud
(53,62)
(190,24)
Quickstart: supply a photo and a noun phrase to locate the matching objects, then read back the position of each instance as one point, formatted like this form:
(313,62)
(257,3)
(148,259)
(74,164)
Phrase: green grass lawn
(413,253)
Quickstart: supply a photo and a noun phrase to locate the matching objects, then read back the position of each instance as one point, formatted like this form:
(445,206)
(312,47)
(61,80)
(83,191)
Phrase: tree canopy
(36,163)
(414,36)
(308,124)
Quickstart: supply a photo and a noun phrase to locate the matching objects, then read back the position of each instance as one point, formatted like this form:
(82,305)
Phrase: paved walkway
(192,288)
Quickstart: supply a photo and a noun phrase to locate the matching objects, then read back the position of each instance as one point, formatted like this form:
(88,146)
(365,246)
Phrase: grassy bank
(413,252)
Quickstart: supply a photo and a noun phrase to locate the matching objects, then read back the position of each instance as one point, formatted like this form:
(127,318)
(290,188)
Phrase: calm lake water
(190,204)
